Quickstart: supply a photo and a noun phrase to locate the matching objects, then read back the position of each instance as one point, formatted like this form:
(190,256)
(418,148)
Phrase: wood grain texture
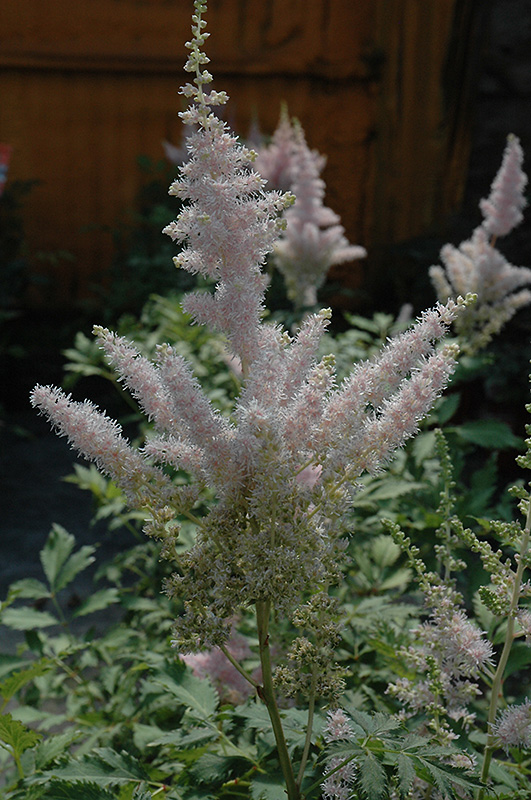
(382,87)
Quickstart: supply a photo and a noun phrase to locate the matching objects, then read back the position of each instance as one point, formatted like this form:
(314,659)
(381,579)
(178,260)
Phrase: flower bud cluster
(477,266)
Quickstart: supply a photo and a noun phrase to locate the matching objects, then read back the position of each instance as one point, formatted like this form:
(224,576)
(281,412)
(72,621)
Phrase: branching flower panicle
(282,467)
(477,266)
(313,239)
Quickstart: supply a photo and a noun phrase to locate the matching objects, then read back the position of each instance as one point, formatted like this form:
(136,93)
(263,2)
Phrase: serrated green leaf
(55,552)
(11,685)
(489,433)
(25,619)
(372,778)
(60,565)
(185,739)
(405,771)
(265,787)
(9,663)
(16,735)
(399,578)
(141,792)
(97,601)
(73,790)
(51,748)
(211,768)
(29,588)
(384,551)
(197,694)
(446,407)
(77,562)
(103,767)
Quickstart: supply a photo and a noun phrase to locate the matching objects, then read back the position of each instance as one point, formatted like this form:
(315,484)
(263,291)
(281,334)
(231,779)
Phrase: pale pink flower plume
(313,240)
(275,161)
(476,266)
(502,209)
(273,532)
(513,726)
(338,786)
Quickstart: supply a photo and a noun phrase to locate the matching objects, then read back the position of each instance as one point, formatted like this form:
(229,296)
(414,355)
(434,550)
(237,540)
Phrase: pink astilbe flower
(477,266)
(451,646)
(100,439)
(314,240)
(338,786)
(513,726)
(275,161)
(502,209)
(282,468)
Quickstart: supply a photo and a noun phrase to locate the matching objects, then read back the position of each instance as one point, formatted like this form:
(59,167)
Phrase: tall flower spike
(477,266)
(229,223)
(274,161)
(314,239)
(280,467)
(502,209)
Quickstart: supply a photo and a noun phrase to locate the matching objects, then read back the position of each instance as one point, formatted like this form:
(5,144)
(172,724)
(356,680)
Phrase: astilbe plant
(313,240)
(283,467)
(478,266)
(450,660)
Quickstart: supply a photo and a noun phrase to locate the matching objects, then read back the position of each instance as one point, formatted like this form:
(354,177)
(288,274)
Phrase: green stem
(309,728)
(267,694)
(496,692)
(237,666)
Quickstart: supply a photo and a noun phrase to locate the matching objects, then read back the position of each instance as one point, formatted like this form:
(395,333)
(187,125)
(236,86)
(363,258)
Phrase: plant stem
(309,728)
(267,694)
(238,666)
(496,692)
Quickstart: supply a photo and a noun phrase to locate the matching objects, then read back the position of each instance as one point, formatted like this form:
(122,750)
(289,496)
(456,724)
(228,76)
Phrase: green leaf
(446,407)
(59,564)
(197,694)
(55,552)
(384,551)
(489,433)
(103,767)
(405,772)
(141,792)
(185,739)
(26,619)
(16,735)
(53,747)
(211,768)
(29,588)
(372,778)
(60,790)
(11,685)
(265,787)
(97,601)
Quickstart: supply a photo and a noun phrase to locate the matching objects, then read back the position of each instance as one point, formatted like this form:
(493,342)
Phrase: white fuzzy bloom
(313,240)
(477,266)
(513,726)
(502,209)
(338,786)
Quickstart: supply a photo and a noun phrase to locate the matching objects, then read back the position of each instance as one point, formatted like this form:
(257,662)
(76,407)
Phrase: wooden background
(383,87)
